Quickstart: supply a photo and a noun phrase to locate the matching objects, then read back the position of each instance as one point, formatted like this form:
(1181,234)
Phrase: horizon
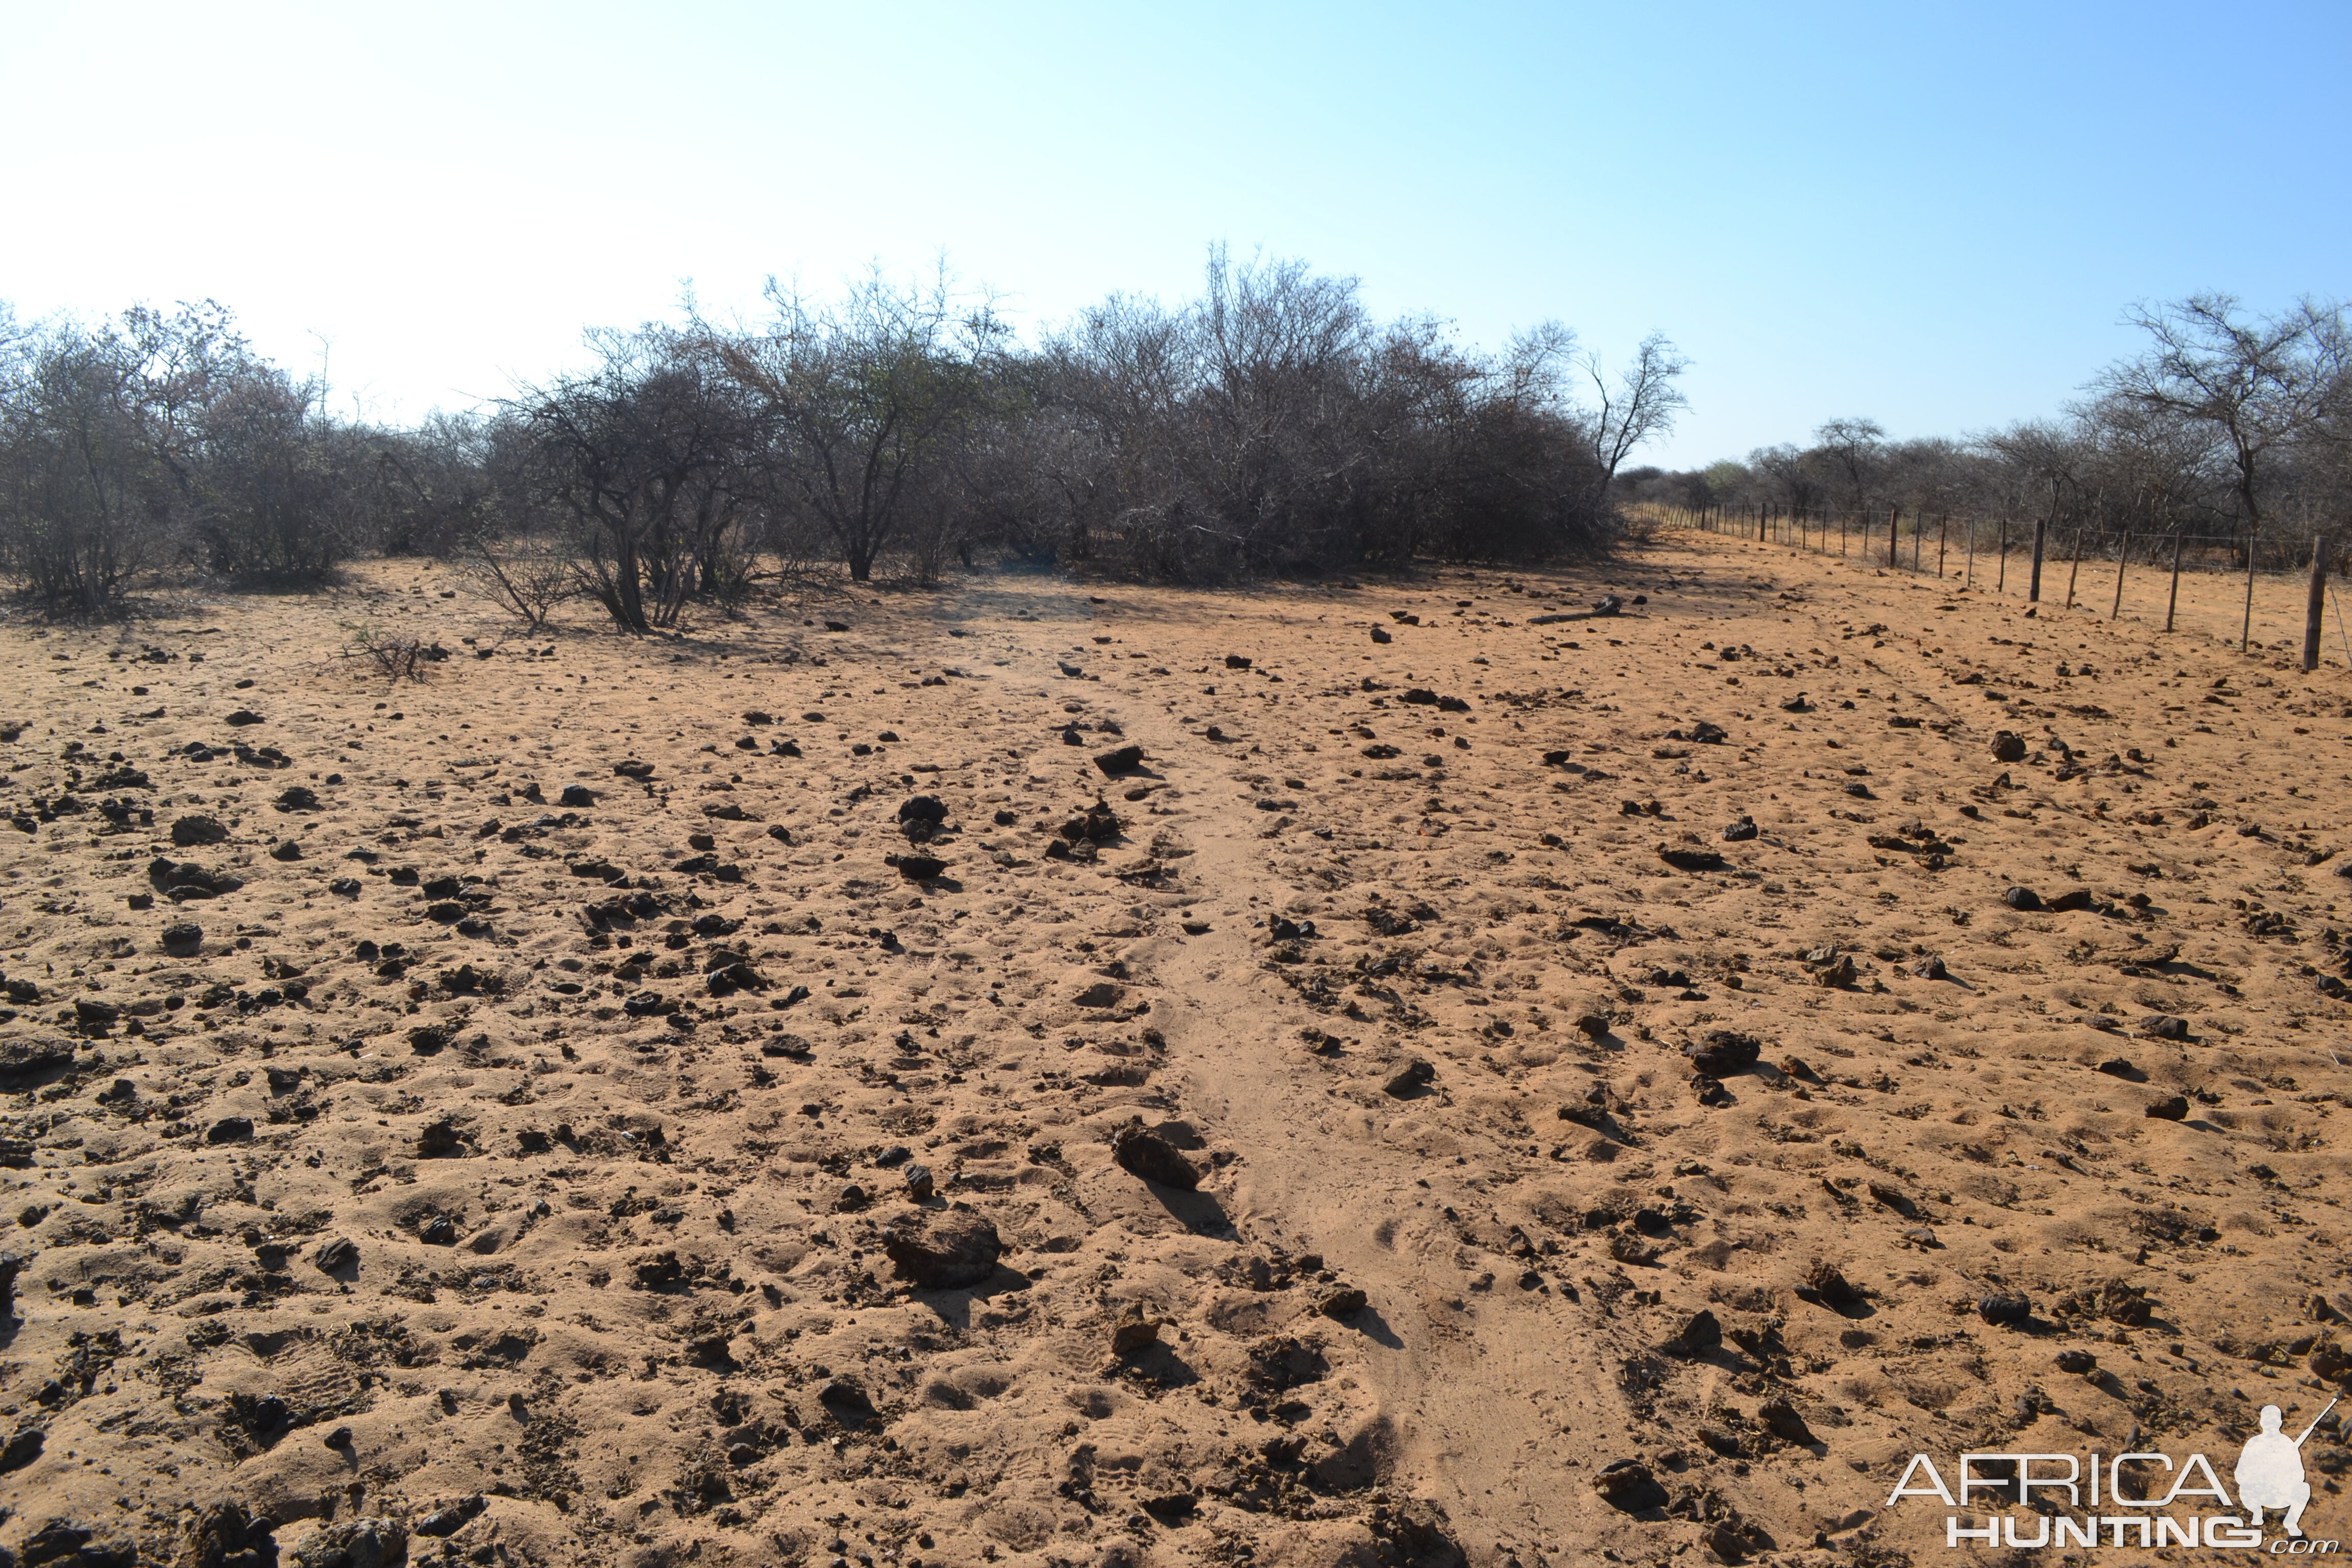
(370,206)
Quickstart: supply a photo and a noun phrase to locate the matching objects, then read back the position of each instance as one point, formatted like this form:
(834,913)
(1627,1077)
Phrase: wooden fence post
(2314,603)
(2000,577)
(2041,533)
(2173,602)
(2123,558)
(2246,626)
(1943,528)
(2074,570)
(1895,537)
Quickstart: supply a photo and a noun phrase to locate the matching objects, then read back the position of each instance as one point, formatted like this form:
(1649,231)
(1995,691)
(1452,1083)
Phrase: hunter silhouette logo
(2270,1471)
(2144,1499)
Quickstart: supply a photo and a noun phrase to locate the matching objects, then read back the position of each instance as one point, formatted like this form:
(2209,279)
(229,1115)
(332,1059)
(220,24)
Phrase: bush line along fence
(1942,545)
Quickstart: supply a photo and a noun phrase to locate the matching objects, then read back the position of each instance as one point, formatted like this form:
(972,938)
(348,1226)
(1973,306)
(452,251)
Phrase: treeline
(2225,427)
(1270,425)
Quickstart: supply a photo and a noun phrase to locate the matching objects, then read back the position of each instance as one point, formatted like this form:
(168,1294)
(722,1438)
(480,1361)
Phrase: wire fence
(2189,578)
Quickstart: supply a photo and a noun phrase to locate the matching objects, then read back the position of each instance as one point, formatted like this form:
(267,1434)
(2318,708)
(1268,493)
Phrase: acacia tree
(2256,384)
(1643,404)
(864,403)
(648,454)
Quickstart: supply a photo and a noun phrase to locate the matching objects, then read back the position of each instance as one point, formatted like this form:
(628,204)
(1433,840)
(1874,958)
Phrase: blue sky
(1930,215)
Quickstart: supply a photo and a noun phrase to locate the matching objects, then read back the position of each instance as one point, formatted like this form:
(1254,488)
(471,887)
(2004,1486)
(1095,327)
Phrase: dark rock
(230,1130)
(438,1231)
(23,1446)
(1134,1332)
(2175,1109)
(576,795)
(1344,1302)
(1416,1074)
(2007,747)
(1690,859)
(241,718)
(2024,900)
(356,1543)
(95,1015)
(336,1256)
(2116,1066)
(1143,1152)
(2005,1309)
(632,769)
(1826,1281)
(919,1183)
(224,1536)
(1700,1333)
(918,867)
(1781,1418)
(1709,1090)
(844,1401)
(2071,899)
(2081,1363)
(439,1139)
(1720,1053)
(1122,760)
(2164,1026)
(1741,831)
(454,1517)
(942,1249)
(1607,604)
(1628,1484)
(287,850)
(297,797)
(191,831)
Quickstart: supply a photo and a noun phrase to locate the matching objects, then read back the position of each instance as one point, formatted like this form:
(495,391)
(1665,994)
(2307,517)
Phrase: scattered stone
(2164,1026)
(1343,1302)
(1690,859)
(918,867)
(1826,1281)
(1741,831)
(287,850)
(920,1185)
(1628,1484)
(1415,1075)
(2008,746)
(2005,1309)
(452,1517)
(191,831)
(1123,760)
(2023,900)
(942,1249)
(23,1446)
(1779,1417)
(1143,1152)
(1720,1053)
(2173,1109)
(2081,1363)
(333,1257)
(1699,1333)
(1135,1332)
(230,1130)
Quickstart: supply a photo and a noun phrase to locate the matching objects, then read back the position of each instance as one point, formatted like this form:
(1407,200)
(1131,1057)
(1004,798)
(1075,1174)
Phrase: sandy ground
(533,1179)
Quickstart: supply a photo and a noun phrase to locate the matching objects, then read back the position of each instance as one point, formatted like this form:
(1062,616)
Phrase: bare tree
(2258,384)
(1852,447)
(1644,402)
(864,402)
(648,454)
